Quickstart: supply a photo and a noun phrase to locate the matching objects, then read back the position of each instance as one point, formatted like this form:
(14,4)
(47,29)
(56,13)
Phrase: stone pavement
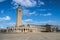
(30,36)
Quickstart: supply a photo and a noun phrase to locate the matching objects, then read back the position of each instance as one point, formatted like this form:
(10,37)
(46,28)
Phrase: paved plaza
(30,36)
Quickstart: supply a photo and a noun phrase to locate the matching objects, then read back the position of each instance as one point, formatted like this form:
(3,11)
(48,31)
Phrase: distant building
(50,28)
(28,28)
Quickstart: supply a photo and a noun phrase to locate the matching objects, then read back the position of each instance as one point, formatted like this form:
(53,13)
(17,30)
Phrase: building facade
(27,28)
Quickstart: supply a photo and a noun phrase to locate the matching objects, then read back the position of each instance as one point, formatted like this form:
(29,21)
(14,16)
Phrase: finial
(19,5)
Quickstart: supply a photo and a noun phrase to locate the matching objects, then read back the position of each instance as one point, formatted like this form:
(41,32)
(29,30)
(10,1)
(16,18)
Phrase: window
(19,10)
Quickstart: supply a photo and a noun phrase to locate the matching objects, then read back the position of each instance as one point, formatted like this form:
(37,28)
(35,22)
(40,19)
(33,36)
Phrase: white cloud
(2,11)
(25,12)
(1,27)
(32,13)
(26,3)
(44,22)
(31,21)
(28,20)
(40,2)
(48,14)
(4,25)
(12,24)
(28,13)
(15,5)
(42,10)
(5,18)
(2,0)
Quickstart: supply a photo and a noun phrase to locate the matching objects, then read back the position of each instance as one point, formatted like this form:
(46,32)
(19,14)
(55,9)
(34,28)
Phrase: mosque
(29,27)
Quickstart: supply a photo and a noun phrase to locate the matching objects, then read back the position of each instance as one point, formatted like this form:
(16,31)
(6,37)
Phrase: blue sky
(37,12)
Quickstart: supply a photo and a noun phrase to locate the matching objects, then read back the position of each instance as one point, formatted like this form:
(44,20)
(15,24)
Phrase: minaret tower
(19,16)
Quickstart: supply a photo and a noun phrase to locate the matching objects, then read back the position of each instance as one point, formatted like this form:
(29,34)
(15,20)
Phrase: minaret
(19,16)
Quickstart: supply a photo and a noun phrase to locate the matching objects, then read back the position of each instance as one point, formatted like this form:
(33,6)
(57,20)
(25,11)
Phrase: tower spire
(19,6)
(19,16)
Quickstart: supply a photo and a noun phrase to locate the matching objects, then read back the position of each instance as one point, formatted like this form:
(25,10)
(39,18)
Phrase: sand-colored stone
(31,36)
(19,17)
